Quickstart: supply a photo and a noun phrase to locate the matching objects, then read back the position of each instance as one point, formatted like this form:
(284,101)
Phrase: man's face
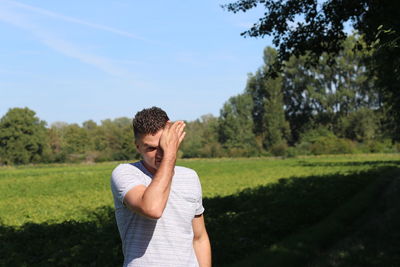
(149,147)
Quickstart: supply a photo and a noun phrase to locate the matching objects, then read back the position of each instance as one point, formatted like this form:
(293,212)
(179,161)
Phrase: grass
(311,242)
(68,191)
(284,212)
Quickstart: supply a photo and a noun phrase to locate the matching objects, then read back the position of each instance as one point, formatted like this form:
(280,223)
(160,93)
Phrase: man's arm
(201,242)
(150,201)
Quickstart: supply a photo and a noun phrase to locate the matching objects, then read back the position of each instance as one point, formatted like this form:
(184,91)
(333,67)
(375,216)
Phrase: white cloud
(62,46)
(73,51)
(73,20)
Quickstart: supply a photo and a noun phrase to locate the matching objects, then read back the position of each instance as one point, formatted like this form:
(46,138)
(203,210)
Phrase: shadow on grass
(91,243)
(238,225)
(375,237)
(255,219)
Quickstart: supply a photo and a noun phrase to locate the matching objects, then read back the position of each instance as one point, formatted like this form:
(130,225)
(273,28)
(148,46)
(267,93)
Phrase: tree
(192,143)
(89,125)
(201,138)
(361,125)
(268,109)
(305,97)
(311,27)
(22,137)
(55,144)
(117,139)
(210,145)
(306,26)
(325,94)
(277,128)
(236,126)
(76,140)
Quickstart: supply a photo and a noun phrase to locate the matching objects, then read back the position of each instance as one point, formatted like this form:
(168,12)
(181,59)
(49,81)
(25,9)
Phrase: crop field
(306,211)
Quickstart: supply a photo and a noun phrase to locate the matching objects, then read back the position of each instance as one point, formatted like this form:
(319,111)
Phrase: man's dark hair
(149,121)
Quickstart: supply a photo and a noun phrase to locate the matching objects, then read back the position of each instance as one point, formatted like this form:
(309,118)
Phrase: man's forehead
(150,144)
(151,139)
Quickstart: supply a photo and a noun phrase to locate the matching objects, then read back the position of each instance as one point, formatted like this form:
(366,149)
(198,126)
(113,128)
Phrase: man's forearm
(156,195)
(202,248)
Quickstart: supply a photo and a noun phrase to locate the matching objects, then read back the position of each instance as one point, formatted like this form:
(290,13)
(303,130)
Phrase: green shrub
(322,145)
(292,152)
(240,152)
(323,141)
(332,145)
(397,147)
(279,150)
(311,136)
(75,158)
(380,146)
(344,146)
(361,125)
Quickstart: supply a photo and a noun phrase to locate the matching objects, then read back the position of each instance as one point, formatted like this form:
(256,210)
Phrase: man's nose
(159,153)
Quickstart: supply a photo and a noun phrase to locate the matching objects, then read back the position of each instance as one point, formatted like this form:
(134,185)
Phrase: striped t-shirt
(167,241)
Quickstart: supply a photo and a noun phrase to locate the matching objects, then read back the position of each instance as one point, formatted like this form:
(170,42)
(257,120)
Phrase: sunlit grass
(39,193)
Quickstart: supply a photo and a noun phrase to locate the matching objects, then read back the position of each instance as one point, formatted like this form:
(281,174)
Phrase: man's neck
(148,168)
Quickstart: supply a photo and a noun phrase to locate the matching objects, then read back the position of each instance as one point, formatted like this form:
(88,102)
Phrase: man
(158,206)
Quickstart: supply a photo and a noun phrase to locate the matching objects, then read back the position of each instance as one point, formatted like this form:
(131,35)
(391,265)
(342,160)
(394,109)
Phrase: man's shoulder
(180,170)
(125,168)
(186,179)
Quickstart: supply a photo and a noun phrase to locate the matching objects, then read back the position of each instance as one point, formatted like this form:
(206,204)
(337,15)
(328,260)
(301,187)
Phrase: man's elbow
(200,237)
(153,212)
(153,215)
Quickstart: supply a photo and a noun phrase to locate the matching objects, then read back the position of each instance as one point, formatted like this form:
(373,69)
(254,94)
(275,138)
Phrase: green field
(286,212)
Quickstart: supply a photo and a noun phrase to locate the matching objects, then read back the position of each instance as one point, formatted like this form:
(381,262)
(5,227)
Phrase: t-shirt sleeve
(124,178)
(200,208)
(199,202)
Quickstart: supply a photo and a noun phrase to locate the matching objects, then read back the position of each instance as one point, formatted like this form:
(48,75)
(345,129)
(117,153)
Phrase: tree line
(326,108)
(314,28)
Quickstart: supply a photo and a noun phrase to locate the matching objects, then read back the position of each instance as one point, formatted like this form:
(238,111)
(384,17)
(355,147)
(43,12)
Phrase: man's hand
(171,138)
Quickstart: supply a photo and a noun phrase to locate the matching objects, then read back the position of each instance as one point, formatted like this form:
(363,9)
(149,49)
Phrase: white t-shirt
(167,241)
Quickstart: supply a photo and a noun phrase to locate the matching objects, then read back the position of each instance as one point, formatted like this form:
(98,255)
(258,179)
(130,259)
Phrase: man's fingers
(173,134)
(180,127)
(177,124)
(181,137)
(177,127)
(167,127)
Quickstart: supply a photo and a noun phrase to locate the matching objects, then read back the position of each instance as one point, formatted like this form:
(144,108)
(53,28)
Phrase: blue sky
(75,60)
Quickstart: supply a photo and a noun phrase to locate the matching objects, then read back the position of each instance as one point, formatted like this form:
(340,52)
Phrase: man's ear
(136,144)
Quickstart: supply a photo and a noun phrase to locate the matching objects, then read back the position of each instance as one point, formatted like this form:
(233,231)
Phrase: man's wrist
(169,156)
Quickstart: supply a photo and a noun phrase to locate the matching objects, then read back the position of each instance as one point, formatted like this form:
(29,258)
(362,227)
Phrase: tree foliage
(236,125)
(312,28)
(268,109)
(22,137)
(301,98)
(201,140)
(111,140)
(316,27)
(325,94)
